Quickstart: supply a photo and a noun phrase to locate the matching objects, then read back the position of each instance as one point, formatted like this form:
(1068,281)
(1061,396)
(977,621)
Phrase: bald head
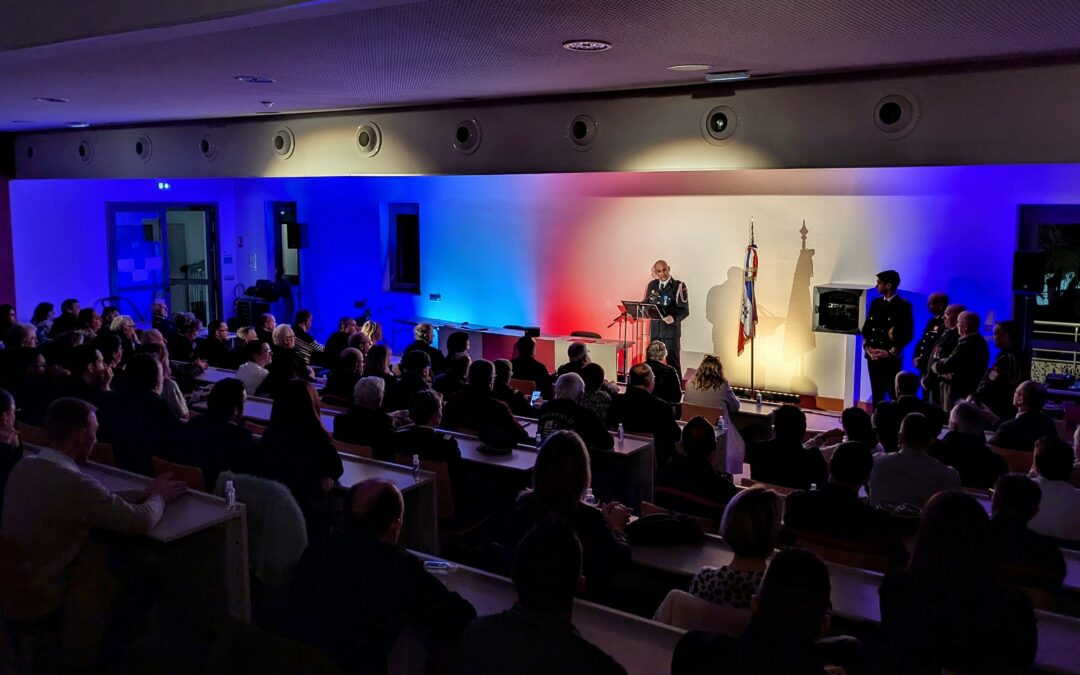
(661,270)
(1029,396)
(952,312)
(937,302)
(968,323)
(376,508)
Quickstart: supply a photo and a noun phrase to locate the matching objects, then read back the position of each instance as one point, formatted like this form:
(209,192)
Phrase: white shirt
(59,458)
(252,375)
(1059,510)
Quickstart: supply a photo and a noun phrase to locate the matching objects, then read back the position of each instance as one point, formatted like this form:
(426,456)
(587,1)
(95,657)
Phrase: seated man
(537,635)
(578,353)
(1060,503)
(518,402)
(423,438)
(455,378)
(287,363)
(253,372)
(415,377)
(181,343)
(789,613)
(526,367)
(456,343)
(889,414)
(425,336)
(668,382)
(216,348)
(1025,558)
(217,440)
(50,508)
(339,340)
(159,317)
(783,460)
(309,349)
(90,378)
(911,476)
(365,423)
(835,509)
(354,591)
(265,327)
(344,375)
(691,484)
(565,412)
(964,448)
(476,409)
(68,319)
(1030,423)
(639,411)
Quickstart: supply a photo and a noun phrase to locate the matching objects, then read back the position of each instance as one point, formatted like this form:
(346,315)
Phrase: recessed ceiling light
(688,67)
(50,99)
(78,125)
(253,79)
(587,45)
(730,76)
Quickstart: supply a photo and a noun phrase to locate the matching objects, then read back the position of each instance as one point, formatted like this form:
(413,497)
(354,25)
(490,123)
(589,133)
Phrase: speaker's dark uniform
(889,326)
(671,298)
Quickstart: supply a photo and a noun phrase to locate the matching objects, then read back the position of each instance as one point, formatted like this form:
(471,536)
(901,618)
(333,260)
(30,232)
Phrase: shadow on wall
(799,338)
(721,310)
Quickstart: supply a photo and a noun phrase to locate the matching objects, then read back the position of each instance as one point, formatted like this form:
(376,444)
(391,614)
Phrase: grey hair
(279,334)
(657,350)
(569,386)
(369,392)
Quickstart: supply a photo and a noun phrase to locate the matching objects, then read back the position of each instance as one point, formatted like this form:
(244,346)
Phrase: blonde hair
(279,336)
(709,375)
(751,522)
(372,329)
(118,323)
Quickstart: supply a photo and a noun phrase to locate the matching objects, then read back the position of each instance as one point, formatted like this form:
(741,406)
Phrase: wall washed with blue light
(560,251)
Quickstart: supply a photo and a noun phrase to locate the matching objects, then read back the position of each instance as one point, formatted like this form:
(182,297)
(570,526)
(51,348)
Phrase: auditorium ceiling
(117,62)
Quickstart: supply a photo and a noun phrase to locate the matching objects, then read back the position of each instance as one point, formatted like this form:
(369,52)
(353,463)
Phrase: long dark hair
(955,545)
(560,476)
(296,409)
(377,361)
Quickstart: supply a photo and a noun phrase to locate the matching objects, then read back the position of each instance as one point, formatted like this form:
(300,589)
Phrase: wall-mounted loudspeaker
(208,148)
(1029,271)
(895,115)
(581,132)
(368,139)
(292,235)
(719,124)
(467,136)
(86,151)
(284,142)
(143,148)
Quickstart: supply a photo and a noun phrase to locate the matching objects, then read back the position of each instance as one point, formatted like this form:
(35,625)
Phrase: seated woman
(560,479)
(750,526)
(123,327)
(689,483)
(946,611)
(856,426)
(709,387)
(377,364)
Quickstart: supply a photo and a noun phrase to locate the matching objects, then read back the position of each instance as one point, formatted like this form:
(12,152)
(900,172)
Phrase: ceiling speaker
(368,139)
(284,142)
(581,132)
(208,147)
(86,151)
(719,124)
(467,136)
(143,148)
(895,115)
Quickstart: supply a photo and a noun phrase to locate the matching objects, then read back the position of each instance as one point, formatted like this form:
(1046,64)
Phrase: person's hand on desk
(167,488)
(616,515)
(669,319)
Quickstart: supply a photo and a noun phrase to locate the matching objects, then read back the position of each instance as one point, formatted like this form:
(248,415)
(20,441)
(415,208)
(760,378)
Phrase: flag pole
(753,391)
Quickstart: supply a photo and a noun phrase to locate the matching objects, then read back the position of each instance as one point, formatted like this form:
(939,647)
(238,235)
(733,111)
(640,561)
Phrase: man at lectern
(669,294)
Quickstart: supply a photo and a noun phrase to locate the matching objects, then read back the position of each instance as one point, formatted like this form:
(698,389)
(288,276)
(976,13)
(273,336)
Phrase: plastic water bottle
(230,495)
(590,498)
(757,397)
(416,468)
(721,426)
(622,433)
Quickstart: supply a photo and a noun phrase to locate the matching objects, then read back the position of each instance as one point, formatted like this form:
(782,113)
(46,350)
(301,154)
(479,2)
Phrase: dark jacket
(286,365)
(435,446)
(438,359)
(475,409)
(361,426)
(639,411)
(214,445)
(889,414)
(139,425)
(564,414)
(787,464)
(64,323)
(447,384)
(1021,432)
(180,348)
(355,617)
(532,370)
(335,344)
(667,385)
(399,393)
(518,402)
(218,354)
(569,367)
(836,511)
(998,385)
(889,325)
(757,652)
(1026,558)
(967,363)
(671,303)
(941,350)
(163,324)
(696,478)
(299,461)
(978,465)
(341,383)
(935,326)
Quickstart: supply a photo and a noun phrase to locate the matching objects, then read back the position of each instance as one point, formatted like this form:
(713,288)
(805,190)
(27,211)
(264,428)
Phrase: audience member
(109,313)
(50,509)
(218,440)
(296,451)
(181,343)
(159,318)
(935,326)
(42,320)
(911,476)
(111,350)
(309,349)
(215,348)
(455,377)
(1030,423)
(709,387)
(476,409)
(889,414)
(364,423)
(68,319)
(962,370)
(578,355)
(339,340)
(90,379)
(639,411)
(456,343)
(856,426)
(560,478)
(373,330)
(835,510)
(415,377)
(526,367)
(345,374)
(942,349)
(537,634)
(564,412)
(668,385)
(136,420)
(123,327)
(599,393)
(1009,369)
(23,335)
(89,320)
(253,373)
(377,364)
(170,390)
(945,612)
(518,402)
(29,382)
(425,337)
(265,327)
(286,363)
(1060,504)
(964,449)
(423,438)
(354,592)
(11,449)
(8,320)
(783,460)
(1025,558)
(789,613)
(690,483)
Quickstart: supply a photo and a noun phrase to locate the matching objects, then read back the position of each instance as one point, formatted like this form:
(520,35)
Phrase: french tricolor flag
(748,311)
